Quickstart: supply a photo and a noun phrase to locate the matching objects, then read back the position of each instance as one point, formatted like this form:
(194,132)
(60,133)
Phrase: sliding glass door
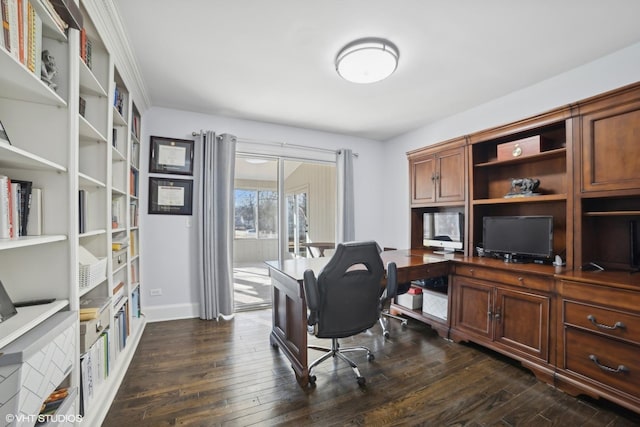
(283,209)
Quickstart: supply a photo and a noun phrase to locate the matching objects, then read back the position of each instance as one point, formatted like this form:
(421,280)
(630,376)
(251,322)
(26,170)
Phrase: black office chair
(345,299)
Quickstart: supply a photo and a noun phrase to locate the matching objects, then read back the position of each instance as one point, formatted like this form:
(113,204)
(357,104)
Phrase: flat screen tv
(518,238)
(443,230)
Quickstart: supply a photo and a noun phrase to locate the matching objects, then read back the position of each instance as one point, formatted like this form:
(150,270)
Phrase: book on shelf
(135,303)
(12,18)
(4,5)
(5,208)
(90,308)
(25,197)
(34,216)
(21,7)
(15,209)
(62,25)
(69,12)
(82,210)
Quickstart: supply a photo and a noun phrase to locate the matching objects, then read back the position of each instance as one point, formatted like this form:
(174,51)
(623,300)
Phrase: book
(12,17)
(90,308)
(34,216)
(54,15)
(82,210)
(69,12)
(25,204)
(15,209)
(21,7)
(5,224)
(4,6)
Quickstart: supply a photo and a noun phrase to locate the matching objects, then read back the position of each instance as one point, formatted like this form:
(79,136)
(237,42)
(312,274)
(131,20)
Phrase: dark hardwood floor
(193,372)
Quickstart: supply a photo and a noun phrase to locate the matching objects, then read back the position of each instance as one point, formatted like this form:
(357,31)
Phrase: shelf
(117,192)
(87,181)
(84,291)
(613,213)
(14,157)
(118,120)
(559,152)
(26,319)
(117,155)
(119,268)
(93,233)
(118,230)
(533,199)
(118,304)
(88,83)
(88,133)
(24,241)
(17,82)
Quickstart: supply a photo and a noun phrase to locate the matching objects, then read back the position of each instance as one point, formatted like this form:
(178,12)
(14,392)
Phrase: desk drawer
(604,320)
(607,361)
(529,281)
(423,272)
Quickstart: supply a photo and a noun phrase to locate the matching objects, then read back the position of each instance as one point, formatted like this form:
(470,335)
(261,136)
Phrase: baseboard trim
(161,313)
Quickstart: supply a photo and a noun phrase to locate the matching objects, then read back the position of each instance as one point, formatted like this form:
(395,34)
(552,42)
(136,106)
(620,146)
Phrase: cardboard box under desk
(522,147)
(435,303)
(412,301)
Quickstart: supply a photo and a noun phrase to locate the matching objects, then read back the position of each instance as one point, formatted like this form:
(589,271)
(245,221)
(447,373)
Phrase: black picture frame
(169,196)
(171,156)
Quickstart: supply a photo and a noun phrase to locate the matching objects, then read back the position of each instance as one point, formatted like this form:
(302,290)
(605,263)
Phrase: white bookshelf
(63,150)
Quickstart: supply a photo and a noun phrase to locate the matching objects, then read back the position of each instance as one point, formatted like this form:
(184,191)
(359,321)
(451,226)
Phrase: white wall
(610,72)
(169,242)
(381,170)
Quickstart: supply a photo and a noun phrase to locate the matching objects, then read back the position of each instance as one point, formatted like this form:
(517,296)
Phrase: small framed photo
(3,134)
(170,155)
(170,196)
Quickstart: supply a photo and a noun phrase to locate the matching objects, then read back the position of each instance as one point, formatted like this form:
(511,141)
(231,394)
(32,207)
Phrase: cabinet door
(522,322)
(473,307)
(610,149)
(450,176)
(423,172)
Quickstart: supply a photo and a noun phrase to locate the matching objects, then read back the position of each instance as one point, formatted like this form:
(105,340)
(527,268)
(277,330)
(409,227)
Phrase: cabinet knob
(471,270)
(591,318)
(521,279)
(619,370)
(433,177)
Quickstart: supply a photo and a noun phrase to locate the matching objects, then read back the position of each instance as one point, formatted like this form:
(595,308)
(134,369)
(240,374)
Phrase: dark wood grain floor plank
(198,373)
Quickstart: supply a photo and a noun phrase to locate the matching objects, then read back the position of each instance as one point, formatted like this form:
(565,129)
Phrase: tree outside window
(256,214)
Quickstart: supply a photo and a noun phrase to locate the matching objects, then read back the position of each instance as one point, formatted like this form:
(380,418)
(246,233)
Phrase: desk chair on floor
(345,299)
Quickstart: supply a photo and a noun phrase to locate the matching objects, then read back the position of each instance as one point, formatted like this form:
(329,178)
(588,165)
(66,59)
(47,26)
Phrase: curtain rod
(281,144)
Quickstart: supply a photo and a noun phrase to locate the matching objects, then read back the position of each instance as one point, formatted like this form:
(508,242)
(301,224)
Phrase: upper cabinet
(437,174)
(610,143)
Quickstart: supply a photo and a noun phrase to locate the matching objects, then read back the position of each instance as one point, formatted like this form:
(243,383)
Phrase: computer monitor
(443,230)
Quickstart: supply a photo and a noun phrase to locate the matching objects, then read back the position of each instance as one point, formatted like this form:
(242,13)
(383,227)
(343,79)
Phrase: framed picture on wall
(170,155)
(170,196)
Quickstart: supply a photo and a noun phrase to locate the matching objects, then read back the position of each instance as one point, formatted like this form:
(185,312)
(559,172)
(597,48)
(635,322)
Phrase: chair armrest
(312,296)
(392,280)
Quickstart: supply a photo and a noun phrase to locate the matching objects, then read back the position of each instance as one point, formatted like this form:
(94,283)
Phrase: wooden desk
(289,330)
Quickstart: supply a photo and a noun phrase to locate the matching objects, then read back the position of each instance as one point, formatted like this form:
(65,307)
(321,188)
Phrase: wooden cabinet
(610,157)
(599,334)
(513,320)
(437,176)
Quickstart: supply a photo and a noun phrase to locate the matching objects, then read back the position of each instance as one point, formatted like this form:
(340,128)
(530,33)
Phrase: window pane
(267,214)
(245,214)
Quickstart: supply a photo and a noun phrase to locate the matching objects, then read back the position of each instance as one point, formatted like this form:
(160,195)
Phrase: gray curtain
(346,231)
(215,224)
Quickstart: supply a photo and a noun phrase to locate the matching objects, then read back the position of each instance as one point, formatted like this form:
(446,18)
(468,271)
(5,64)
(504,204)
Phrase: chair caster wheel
(386,334)
(361,381)
(370,357)
(312,380)
(404,324)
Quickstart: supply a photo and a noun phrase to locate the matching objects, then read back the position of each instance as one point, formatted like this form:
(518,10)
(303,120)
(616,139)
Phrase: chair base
(336,351)
(383,322)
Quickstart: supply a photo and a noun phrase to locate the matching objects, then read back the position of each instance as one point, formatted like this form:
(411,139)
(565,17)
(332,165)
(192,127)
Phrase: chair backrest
(349,290)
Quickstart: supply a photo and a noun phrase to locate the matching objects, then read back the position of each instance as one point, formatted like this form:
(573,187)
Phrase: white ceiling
(273,61)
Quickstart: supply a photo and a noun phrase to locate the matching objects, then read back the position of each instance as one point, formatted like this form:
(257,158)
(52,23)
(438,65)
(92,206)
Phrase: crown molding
(107,19)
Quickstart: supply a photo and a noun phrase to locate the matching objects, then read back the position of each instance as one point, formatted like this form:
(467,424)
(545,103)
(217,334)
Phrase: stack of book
(20,208)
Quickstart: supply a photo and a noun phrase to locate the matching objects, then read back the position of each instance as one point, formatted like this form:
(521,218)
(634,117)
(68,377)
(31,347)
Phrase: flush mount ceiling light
(367,60)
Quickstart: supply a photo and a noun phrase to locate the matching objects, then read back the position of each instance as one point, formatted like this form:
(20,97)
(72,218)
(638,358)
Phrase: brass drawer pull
(617,325)
(619,370)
